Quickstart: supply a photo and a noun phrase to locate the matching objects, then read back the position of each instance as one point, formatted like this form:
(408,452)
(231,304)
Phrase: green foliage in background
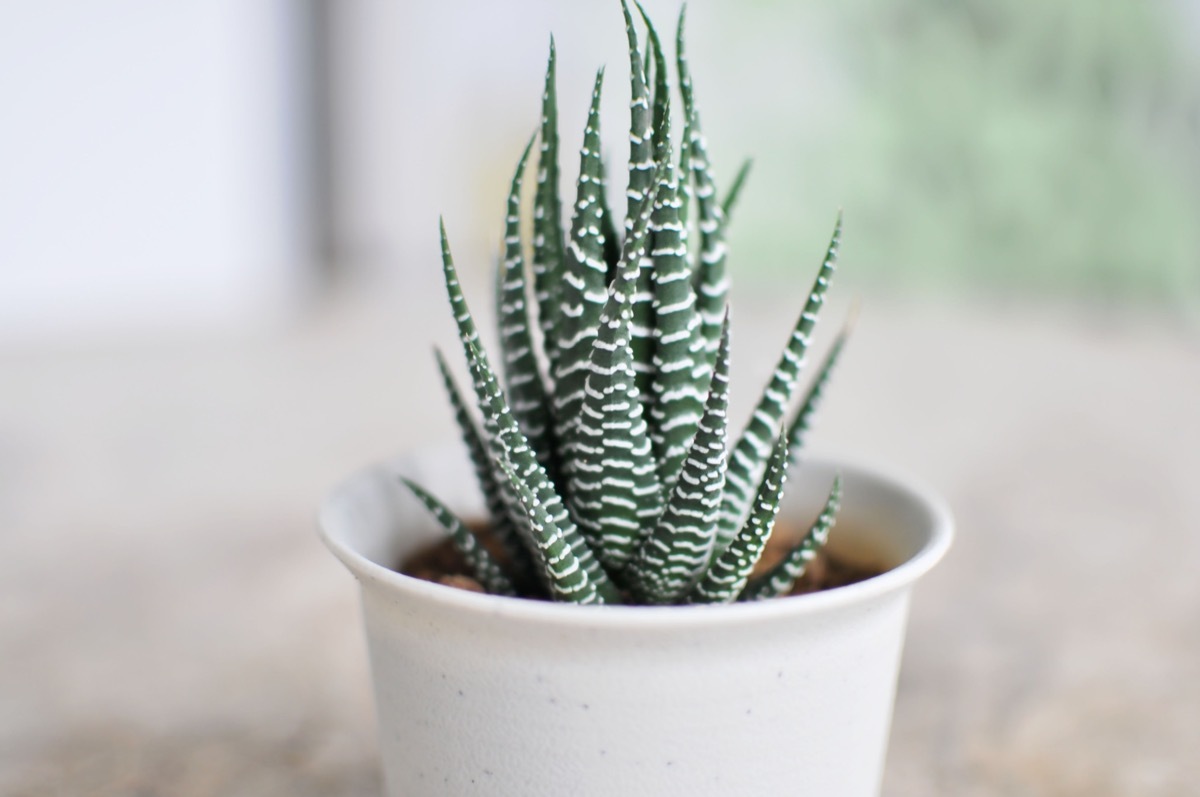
(1004,143)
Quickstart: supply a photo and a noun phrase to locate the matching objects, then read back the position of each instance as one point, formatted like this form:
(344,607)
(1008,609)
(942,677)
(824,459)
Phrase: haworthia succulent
(480,562)
(548,249)
(712,283)
(498,503)
(727,576)
(674,555)
(523,378)
(614,488)
(583,292)
(508,445)
(754,446)
(781,578)
(607,472)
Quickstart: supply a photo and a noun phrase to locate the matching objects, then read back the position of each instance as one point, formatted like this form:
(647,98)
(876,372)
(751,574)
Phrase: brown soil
(824,571)
(442,564)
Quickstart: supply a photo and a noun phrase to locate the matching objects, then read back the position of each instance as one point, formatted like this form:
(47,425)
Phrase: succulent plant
(604,458)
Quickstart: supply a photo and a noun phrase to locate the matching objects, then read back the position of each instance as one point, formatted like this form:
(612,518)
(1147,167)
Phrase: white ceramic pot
(483,695)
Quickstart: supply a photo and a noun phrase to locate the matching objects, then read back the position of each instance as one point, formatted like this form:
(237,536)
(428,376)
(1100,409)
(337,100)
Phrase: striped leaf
(548,248)
(812,398)
(635,249)
(782,577)
(608,227)
(677,386)
(510,449)
(568,576)
(662,90)
(685,157)
(641,149)
(649,503)
(673,556)
(584,291)
(685,189)
(498,503)
(642,184)
(522,376)
(754,446)
(727,576)
(485,569)
(712,282)
(615,491)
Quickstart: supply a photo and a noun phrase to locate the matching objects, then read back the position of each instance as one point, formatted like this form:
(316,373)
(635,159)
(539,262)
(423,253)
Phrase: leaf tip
(852,316)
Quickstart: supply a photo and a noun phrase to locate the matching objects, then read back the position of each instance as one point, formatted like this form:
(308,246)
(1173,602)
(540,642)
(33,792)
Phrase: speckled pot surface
(482,695)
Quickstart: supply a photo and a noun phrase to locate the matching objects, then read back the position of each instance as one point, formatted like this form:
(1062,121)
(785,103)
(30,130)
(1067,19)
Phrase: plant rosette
(487,695)
(633,638)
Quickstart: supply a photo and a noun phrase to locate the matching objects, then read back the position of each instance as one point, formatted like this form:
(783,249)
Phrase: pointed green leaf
(483,567)
(643,183)
(635,249)
(781,578)
(608,227)
(548,245)
(754,446)
(614,488)
(673,556)
(583,293)
(510,448)
(635,257)
(662,89)
(685,190)
(735,190)
(498,506)
(523,378)
(585,265)
(641,151)
(690,120)
(731,569)
(812,397)
(679,375)
(680,379)
(568,576)
(712,283)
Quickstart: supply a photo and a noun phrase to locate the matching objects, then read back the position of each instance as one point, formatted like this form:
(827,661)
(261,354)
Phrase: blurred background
(219,286)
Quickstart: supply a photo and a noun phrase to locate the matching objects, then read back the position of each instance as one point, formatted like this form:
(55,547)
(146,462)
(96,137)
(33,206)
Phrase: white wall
(152,165)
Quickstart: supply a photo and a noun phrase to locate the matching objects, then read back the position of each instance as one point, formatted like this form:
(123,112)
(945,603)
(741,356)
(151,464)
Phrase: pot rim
(651,617)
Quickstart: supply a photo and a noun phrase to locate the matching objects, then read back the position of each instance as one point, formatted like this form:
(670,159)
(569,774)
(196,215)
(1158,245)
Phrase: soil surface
(442,564)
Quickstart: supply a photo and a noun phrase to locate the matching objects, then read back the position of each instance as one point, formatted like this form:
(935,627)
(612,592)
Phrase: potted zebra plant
(624,643)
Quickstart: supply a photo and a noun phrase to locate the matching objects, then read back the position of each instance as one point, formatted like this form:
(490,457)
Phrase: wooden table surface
(170,625)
